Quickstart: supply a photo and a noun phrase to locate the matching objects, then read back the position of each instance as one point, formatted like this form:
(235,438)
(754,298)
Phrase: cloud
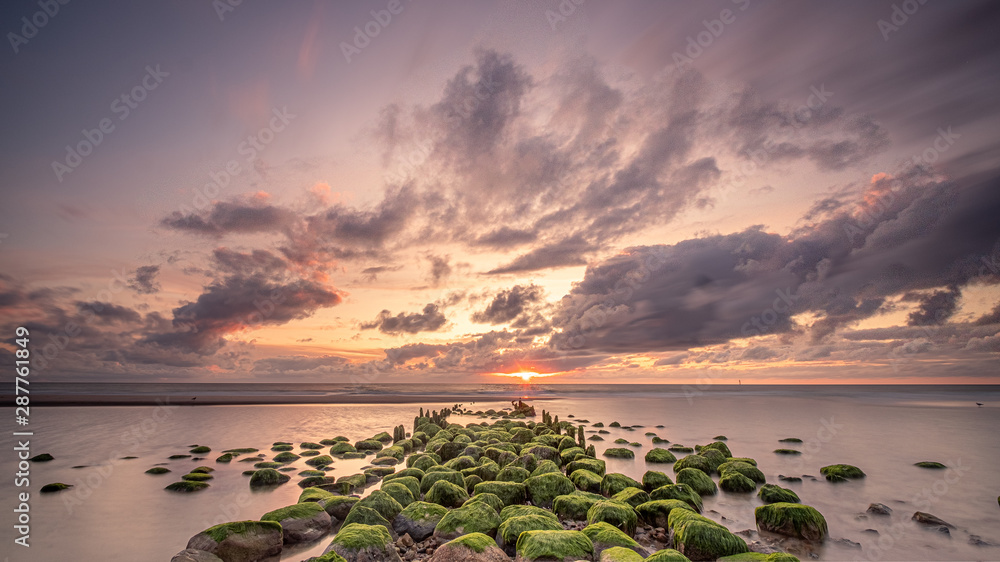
(109,313)
(430,320)
(564,253)
(509,304)
(237,217)
(935,308)
(991,317)
(440,269)
(143,281)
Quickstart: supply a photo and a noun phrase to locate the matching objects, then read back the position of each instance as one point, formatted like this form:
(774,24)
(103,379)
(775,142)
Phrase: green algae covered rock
(197,477)
(472,518)
(620,554)
(286,456)
(545,467)
(561,546)
(339,507)
(615,482)
(489,499)
(321,460)
(187,486)
(718,446)
(681,492)
(841,472)
(415,473)
(544,488)
(746,469)
(793,520)
(301,522)
(268,477)
(929,464)
(575,506)
(315,495)
(473,547)
(342,447)
(225,457)
(632,496)
(617,514)
(158,470)
(519,510)
(695,461)
(240,540)
(653,479)
(619,453)
(603,535)
(787,452)
(446,494)
(597,466)
(509,492)
(367,516)
(735,482)
(200,450)
(714,457)
(699,540)
(383,503)
(357,541)
(445,475)
(658,455)
(699,481)
(511,473)
(399,492)
(368,445)
(742,459)
(770,493)
(418,520)
(656,512)
(667,555)
(586,480)
(268,464)
(512,527)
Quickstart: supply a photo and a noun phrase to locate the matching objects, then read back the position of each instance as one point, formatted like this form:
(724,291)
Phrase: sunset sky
(397,191)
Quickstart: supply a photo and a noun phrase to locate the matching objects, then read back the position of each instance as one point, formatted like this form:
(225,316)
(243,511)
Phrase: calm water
(116,512)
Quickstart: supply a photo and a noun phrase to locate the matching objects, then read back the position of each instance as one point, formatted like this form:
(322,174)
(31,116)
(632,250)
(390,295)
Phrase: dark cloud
(371,273)
(440,269)
(239,217)
(935,308)
(506,237)
(143,281)
(509,304)
(564,253)
(991,317)
(109,313)
(429,320)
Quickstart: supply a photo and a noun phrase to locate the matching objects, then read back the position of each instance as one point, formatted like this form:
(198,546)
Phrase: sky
(454,192)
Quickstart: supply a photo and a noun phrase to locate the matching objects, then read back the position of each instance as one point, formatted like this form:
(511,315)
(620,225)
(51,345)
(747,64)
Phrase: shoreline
(202,400)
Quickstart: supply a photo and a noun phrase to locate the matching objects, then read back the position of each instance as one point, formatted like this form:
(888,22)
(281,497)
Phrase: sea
(117,512)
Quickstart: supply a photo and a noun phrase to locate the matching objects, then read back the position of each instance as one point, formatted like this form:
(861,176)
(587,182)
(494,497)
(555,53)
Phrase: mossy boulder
(793,520)
(446,494)
(414,473)
(446,475)
(519,510)
(197,477)
(55,487)
(301,522)
(489,499)
(656,512)
(511,473)
(472,518)
(240,540)
(473,547)
(586,480)
(929,464)
(511,528)
(193,555)
(200,450)
(368,516)
(698,480)
(632,496)
(368,445)
(619,453)
(744,468)
(620,554)
(158,470)
(510,493)
(570,454)
(660,456)
(285,457)
(268,477)
(681,492)
(282,446)
(735,482)
(575,506)
(418,520)
(544,488)
(360,542)
(653,479)
(225,457)
(545,467)
(703,539)
(678,448)
(615,482)
(667,555)
(618,514)
(714,457)
(603,535)
(695,461)
(342,447)
(560,546)
(597,466)
(383,503)
(841,472)
(321,460)
(187,486)
(770,493)
(718,446)
(787,452)
(399,492)
(268,464)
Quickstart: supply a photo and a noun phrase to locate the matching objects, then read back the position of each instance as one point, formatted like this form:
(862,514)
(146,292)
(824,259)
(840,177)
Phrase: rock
(544,488)
(698,480)
(342,447)
(575,506)
(678,492)
(769,493)
(301,522)
(841,472)
(187,486)
(268,477)
(474,547)
(447,494)
(383,503)
(197,477)
(418,520)
(586,480)
(792,520)
(603,535)
(446,475)
(55,487)
(321,460)
(700,538)
(736,482)
(695,461)
(928,519)
(489,499)
(656,512)
(615,482)
(158,470)
(474,518)
(620,554)
(744,468)
(399,492)
(879,509)
(848,543)
(509,492)
(619,453)
(561,546)
(618,514)
(658,455)
(240,541)
(45,457)
(521,510)
(512,527)
(200,450)
(667,555)
(976,540)
(632,496)
(364,543)
(368,516)
(596,466)
(784,478)
(511,473)
(193,555)
(929,464)
(787,452)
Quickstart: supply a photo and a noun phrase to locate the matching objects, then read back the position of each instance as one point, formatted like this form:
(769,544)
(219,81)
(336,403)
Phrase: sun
(525,376)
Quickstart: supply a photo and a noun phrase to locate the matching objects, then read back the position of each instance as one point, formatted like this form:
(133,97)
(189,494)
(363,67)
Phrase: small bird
(980,404)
